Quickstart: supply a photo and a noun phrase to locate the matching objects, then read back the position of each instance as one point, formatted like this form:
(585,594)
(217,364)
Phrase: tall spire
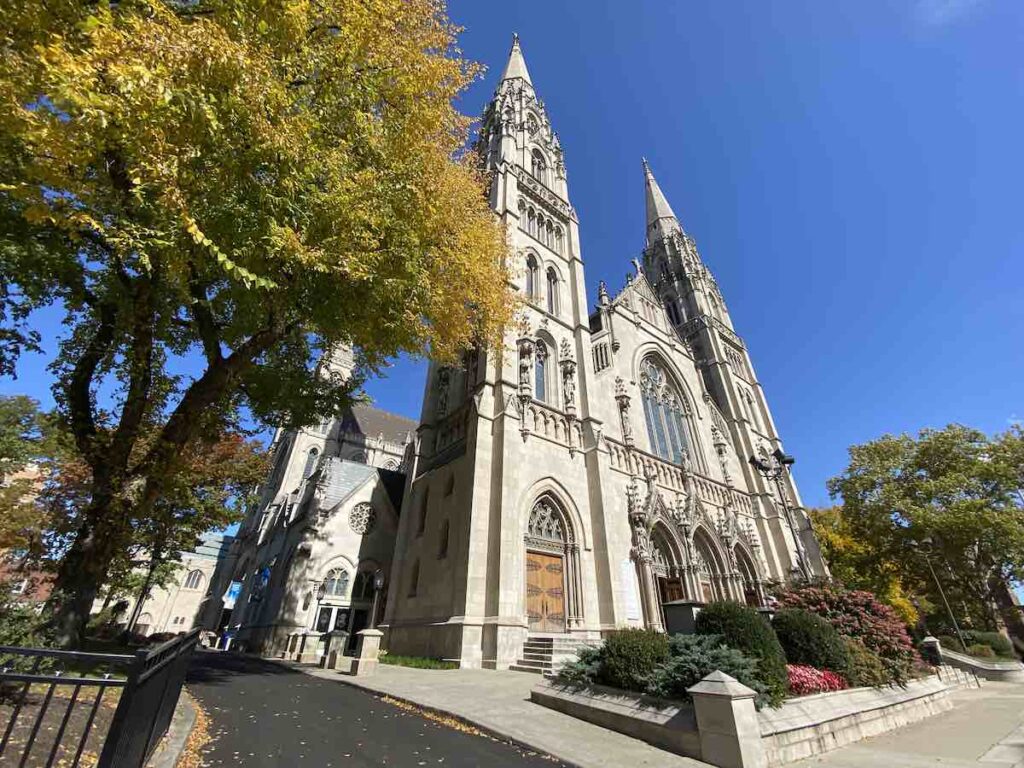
(516,66)
(660,217)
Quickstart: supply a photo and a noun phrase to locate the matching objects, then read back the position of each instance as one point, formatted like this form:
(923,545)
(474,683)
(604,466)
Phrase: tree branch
(206,325)
(79,395)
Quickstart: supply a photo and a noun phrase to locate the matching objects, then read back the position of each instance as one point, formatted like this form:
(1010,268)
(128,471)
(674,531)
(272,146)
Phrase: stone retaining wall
(811,725)
(669,725)
(1003,671)
(729,732)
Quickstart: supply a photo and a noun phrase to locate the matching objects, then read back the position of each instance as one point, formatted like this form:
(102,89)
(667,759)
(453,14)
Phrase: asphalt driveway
(264,714)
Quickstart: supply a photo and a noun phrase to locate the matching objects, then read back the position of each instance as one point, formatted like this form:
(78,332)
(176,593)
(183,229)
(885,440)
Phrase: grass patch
(418,662)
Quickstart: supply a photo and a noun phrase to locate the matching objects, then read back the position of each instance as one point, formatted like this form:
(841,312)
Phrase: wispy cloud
(942,13)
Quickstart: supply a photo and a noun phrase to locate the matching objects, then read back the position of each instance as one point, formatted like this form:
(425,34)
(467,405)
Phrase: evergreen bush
(630,657)
(693,657)
(584,670)
(866,667)
(809,640)
(744,629)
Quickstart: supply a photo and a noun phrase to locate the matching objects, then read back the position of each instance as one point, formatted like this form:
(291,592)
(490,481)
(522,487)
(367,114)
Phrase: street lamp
(378,585)
(774,471)
(321,591)
(927,545)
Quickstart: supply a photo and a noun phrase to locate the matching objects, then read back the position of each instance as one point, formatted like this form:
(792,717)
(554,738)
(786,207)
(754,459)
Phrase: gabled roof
(366,420)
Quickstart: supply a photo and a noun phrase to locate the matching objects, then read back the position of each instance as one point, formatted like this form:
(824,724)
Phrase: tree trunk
(1011,614)
(83,571)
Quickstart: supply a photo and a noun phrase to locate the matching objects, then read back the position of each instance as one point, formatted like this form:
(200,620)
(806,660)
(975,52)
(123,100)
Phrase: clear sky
(851,172)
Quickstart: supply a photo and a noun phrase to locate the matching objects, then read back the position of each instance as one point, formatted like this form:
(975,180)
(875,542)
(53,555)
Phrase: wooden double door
(545,592)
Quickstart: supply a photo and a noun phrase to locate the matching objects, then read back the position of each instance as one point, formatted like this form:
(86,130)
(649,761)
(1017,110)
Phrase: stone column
(730,734)
(368,652)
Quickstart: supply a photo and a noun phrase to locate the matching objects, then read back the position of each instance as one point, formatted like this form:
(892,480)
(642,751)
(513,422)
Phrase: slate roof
(369,421)
(341,478)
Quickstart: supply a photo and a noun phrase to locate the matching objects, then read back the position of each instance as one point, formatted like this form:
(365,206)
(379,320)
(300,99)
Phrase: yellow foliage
(292,154)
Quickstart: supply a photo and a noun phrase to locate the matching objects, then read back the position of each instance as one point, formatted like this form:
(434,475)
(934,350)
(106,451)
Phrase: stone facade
(596,466)
(573,481)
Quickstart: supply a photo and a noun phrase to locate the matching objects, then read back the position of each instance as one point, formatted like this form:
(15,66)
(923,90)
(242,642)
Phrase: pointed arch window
(311,458)
(531,276)
(336,582)
(558,240)
(539,166)
(663,412)
(552,291)
(541,372)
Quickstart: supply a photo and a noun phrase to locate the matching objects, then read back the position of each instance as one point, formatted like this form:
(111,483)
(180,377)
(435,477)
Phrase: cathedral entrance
(545,592)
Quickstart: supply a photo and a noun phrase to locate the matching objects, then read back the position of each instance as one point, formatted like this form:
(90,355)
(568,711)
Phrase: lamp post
(774,471)
(321,591)
(378,585)
(926,546)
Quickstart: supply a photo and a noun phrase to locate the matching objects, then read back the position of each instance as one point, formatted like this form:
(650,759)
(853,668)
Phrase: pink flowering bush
(803,681)
(860,616)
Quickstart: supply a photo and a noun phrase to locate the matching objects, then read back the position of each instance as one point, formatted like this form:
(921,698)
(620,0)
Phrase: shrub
(630,656)
(810,640)
(981,651)
(1000,644)
(948,641)
(860,615)
(743,629)
(865,669)
(584,670)
(693,657)
(804,680)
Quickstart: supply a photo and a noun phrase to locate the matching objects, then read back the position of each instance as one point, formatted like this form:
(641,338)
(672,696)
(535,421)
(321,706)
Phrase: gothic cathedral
(597,471)
(595,468)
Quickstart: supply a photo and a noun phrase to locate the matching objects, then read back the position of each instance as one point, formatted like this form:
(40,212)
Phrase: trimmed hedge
(744,629)
(630,657)
(808,640)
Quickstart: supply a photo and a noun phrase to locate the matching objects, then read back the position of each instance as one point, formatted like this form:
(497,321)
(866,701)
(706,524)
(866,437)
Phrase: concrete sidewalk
(984,730)
(499,702)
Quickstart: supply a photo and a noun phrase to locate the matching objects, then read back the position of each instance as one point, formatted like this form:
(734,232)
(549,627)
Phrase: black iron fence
(70,708)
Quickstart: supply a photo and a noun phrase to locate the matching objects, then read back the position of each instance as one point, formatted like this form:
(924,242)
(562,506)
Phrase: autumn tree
(949,500)
(217,192)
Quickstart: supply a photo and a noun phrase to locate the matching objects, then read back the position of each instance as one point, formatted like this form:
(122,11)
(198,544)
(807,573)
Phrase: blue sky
(851,173)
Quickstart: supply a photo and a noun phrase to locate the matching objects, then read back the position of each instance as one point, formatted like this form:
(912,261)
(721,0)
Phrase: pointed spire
(516,66)
(661,219)
(657,205)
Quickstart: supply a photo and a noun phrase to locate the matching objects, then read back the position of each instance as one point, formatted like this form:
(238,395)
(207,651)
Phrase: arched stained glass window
(336,582)
(663,412)
(194,580)
(531,276)
(541,383)
(552,291)
(539,167)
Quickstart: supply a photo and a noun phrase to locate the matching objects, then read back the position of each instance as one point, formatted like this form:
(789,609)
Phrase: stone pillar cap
(370,632)
(720,684)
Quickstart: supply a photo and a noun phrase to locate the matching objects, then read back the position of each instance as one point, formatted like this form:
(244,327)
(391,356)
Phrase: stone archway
(553,588)
(667,567)
(751,584)
(710,570)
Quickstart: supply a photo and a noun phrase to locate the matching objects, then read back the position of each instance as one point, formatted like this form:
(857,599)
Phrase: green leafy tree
(948,499)
(217,192)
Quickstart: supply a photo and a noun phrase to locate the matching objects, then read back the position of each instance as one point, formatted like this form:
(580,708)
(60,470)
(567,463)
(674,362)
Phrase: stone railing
(545,421)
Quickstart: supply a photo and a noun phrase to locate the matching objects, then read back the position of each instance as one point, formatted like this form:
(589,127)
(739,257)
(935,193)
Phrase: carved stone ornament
(444,378)
(362,519)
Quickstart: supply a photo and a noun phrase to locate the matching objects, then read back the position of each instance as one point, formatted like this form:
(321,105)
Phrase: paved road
(263,714)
